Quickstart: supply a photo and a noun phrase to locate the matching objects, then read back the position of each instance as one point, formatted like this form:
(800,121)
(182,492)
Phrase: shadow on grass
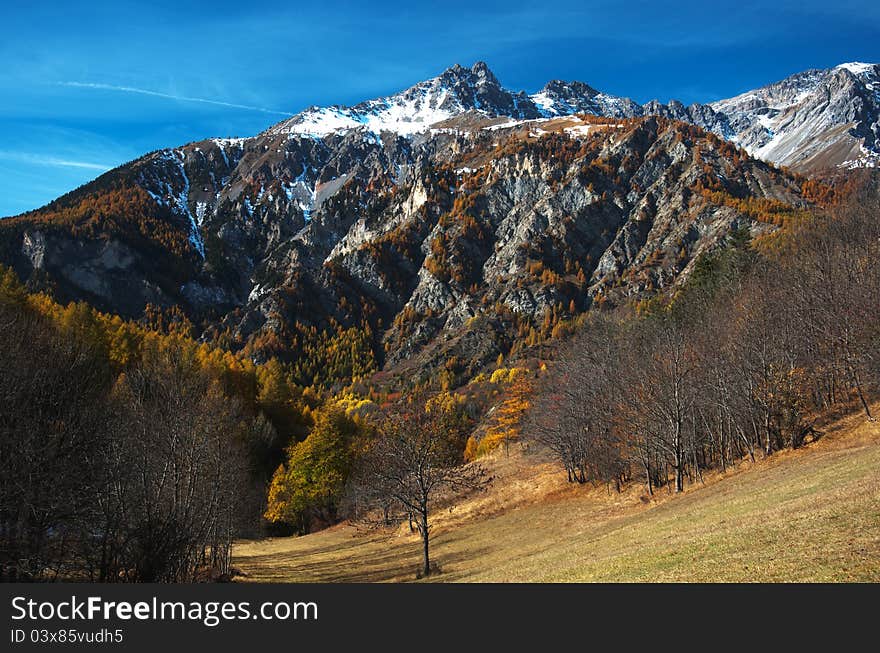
(351,562)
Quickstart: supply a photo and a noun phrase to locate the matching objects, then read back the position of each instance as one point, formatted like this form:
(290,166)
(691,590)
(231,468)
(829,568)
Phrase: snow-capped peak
(560,98)
(811,120)
(858,67)
(819,117)
(453,92)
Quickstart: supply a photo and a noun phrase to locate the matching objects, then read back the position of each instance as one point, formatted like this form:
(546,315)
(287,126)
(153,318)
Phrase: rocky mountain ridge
(809,121)
(432,247)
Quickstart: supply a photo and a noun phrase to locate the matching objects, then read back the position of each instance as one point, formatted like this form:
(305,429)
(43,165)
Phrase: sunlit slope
(808,515)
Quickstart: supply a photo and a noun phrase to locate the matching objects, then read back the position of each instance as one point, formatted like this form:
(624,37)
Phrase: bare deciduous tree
(743,359)
(415,460)
(144,481)
(52,441)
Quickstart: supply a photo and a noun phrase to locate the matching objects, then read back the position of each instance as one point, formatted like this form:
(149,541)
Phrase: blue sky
(87,86)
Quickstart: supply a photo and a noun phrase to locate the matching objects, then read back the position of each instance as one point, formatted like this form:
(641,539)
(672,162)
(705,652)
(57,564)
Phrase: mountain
(422,233)
(813,120)
(455,91)
(810,121)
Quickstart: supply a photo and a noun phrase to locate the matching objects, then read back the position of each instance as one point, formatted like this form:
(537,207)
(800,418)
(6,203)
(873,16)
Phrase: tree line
(743,361)
(124,455)
(132,455)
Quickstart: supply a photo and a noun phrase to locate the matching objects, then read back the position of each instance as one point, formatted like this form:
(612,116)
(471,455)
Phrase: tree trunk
(679,462)
(679,475)
(864,401)
(424,529)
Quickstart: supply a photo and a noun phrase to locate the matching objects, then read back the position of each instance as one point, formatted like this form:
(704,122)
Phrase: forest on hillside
(745,360)
(130,452)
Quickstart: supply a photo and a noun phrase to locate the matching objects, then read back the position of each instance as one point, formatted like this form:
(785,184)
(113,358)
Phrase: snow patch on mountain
(544,103)
(811,120)
(858,68)
(320,122)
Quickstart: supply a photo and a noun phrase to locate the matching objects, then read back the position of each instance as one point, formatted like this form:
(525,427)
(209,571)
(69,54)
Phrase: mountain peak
(482,71)
(561,87)
(858,67)
(454,69)
(797,121)
(479,73)
(455,91)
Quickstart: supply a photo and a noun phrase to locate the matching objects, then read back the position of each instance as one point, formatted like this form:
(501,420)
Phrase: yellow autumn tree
(308,486)
(506,420)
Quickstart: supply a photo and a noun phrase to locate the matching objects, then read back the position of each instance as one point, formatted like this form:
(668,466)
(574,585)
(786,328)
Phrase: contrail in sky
(169,96)
(40,159)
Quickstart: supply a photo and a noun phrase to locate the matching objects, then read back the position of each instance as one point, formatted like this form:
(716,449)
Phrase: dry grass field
(806,515)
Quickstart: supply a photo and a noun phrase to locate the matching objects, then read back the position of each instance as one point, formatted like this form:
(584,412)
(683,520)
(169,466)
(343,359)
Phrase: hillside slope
(443,225)
(483,229)
(807,515)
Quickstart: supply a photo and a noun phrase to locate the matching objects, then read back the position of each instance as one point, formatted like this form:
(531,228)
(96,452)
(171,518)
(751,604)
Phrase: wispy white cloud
(48,160)
(169,96)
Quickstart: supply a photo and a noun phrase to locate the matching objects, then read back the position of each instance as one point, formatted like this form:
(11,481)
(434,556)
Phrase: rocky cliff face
(810,121)
(441,241)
